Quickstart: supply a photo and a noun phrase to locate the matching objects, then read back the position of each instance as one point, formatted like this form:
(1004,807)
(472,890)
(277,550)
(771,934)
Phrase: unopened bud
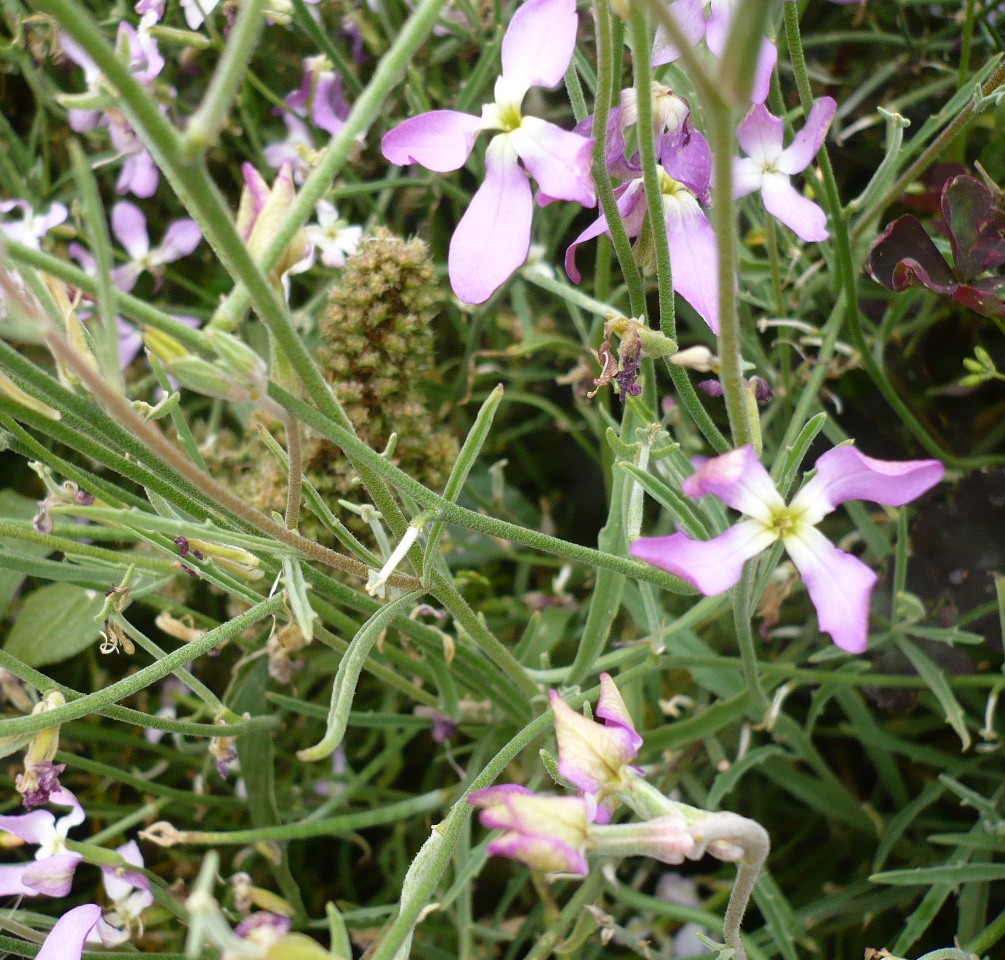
(235,560)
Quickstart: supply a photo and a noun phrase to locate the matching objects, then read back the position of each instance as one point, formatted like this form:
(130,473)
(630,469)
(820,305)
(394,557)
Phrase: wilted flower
(596,757)
(262,210)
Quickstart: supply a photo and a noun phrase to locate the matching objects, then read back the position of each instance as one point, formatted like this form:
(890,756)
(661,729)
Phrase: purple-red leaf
(976,227)
(905,256)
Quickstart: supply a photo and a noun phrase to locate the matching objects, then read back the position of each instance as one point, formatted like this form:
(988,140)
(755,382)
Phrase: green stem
(469,621)
(328,827)
(94,702)
(720,123)
(742,598)
(207,123)
(650,175)
(470,519)
(606,93)
(447,833)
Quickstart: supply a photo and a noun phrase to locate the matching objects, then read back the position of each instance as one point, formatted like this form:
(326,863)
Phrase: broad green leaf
(54,623)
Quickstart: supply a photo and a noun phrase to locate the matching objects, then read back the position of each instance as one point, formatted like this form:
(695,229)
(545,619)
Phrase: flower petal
(800,153)
(31,827)
(631,205)
(693,255)
(130,229)
(181,238)
(558,159)
(748,176)
(738,479)
(539,42)
(440,140)
(760,135)
(490,796)
(53,875)
(690,17)
(493,236)
(845,474)
(802,216)
(687,157)
(612,710)
(66,939)
(11,884)
(767,57)
(540,853)
(710,565)
(839,585)
(592,756)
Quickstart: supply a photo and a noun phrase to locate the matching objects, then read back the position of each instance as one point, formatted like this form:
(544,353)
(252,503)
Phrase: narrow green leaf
(936,681)
(462,467)
(949,874)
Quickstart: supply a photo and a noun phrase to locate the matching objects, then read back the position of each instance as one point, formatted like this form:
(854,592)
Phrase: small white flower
(333,237)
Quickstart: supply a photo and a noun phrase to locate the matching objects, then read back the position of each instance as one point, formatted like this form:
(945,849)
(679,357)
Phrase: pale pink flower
(493,237)
(768,166)
(839,584)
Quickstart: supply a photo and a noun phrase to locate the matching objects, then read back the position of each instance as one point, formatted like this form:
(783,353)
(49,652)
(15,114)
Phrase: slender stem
(606,92)
(207,123)
(742,597)
(123,413)
(720,125)
(650,174)
(469,621)
(771,241)
(295,480)
(139,680)
(470,519)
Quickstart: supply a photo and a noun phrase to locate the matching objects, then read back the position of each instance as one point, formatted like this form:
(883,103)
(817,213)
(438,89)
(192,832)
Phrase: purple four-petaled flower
(839,584)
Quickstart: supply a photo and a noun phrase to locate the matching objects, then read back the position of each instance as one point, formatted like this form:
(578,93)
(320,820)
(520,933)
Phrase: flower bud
(261,213)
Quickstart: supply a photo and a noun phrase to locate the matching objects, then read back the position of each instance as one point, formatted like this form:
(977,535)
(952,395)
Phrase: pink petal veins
(440,140)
